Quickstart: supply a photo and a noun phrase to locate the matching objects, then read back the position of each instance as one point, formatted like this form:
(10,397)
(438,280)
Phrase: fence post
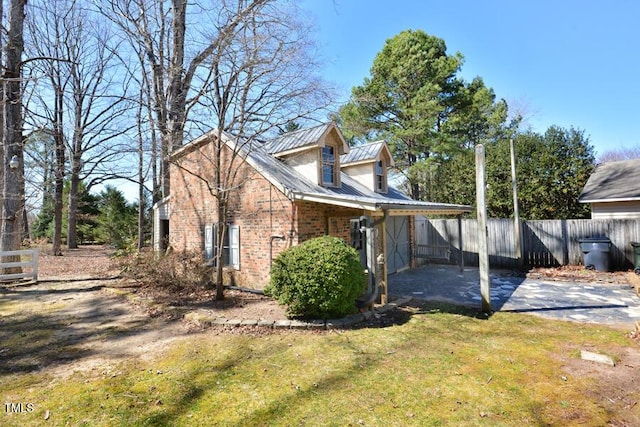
(460,242)
(35,258)
(483,246)
(516,213)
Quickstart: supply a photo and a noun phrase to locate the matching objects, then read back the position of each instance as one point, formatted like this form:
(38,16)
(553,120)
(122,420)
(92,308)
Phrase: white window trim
(336,167)
(384,188)
(231,245)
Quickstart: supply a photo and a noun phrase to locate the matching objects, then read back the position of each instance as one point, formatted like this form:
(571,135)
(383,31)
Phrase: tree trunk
(12,141)
(72,235)
(141,195)
(222,229)
(57,204)
(59,175)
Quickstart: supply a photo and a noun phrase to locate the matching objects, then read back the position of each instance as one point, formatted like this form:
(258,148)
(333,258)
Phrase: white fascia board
(335,201)
(620,199)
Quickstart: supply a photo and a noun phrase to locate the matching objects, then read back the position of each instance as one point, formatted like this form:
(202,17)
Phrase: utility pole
(483,246)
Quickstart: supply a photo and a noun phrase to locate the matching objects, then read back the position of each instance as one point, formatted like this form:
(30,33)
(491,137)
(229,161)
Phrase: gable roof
(303,139)
(298,187)
(350,194)
(365,153)
(613,182)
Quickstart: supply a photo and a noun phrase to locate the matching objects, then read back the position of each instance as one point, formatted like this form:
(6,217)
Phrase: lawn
(442,366)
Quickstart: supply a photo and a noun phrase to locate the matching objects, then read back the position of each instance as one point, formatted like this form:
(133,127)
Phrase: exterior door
(397,243)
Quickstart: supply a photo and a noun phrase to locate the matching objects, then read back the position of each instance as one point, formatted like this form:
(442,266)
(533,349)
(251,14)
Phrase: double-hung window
(328,165)
(381,178)
(230,245)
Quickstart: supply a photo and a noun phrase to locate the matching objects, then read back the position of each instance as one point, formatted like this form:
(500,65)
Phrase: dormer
(368,164)
(315,152)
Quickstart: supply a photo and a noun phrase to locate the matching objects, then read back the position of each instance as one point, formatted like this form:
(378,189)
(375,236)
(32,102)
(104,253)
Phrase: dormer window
(329,166)
(381,177)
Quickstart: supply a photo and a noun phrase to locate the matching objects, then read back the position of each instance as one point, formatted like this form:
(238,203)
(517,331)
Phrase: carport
(396,249)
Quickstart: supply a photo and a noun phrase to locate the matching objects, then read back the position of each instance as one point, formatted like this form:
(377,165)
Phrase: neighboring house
(301,185)
(613,190)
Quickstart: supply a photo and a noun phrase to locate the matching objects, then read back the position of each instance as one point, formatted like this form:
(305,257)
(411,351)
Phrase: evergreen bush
(320,278)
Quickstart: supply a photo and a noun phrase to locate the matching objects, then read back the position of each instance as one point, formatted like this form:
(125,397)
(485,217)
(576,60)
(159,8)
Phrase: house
(613,190)
(301,185)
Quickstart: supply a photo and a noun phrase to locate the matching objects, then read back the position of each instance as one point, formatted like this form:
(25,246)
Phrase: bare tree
(12,138)
(244,67)
(45,90)
(263,76)
(620,154)
(164,30)
(89,113)
(100,109)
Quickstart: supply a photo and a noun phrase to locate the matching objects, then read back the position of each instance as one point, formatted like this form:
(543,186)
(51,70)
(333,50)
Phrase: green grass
(439,368)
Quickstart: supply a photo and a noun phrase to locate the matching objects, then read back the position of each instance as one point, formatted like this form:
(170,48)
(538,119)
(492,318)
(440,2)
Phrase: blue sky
(562,62)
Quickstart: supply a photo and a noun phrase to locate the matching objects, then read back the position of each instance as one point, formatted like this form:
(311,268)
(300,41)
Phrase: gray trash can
(595,253)
(636,256)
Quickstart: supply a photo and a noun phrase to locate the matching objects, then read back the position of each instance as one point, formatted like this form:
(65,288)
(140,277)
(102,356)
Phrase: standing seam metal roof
(296,186)
(297,139)
(361,153)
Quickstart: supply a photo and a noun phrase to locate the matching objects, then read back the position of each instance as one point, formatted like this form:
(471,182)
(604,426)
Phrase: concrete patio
(604,303)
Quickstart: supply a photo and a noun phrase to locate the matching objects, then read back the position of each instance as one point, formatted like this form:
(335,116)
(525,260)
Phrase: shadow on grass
(403,314)
(42,328)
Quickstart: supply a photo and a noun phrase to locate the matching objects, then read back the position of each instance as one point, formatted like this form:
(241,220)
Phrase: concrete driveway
(611,304)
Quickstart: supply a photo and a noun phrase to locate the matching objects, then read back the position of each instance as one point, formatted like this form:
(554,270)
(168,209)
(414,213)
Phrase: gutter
(619,199)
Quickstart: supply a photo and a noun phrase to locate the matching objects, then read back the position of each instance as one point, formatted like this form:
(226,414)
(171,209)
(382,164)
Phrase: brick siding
(258,207)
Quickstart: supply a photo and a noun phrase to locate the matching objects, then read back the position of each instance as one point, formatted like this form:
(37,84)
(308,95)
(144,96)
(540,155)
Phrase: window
(230,246)
(328,166)
(381,181)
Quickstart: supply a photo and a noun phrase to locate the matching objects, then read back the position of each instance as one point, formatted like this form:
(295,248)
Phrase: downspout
(271,239)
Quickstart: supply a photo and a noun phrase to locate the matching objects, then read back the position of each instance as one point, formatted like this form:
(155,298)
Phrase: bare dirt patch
(616,387)
(97,262)
(236,304)
(84,262)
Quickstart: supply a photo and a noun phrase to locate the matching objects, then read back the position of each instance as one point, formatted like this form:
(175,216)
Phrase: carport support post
(460,242)
(483,247)
(383,243)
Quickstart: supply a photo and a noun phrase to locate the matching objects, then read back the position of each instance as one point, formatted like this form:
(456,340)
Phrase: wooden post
(460,242)
(483,247)
(34,260)
(383,242)
(517,230)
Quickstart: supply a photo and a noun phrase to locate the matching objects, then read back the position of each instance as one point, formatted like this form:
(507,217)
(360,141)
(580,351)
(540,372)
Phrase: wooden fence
(19,259)
(545,243)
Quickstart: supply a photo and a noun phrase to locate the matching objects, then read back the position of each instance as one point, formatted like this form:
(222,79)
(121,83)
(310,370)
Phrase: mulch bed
(577,273)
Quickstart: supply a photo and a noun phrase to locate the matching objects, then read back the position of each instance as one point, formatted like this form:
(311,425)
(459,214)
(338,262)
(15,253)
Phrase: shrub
(320,278)
(174,271)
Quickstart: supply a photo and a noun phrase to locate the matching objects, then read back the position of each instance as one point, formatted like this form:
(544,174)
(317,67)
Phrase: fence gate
(398,254)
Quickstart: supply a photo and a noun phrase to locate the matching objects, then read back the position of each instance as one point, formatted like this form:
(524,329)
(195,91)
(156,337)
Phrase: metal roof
(613,182)
(299,187)
(349,194)
(297,139)
(361,153)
